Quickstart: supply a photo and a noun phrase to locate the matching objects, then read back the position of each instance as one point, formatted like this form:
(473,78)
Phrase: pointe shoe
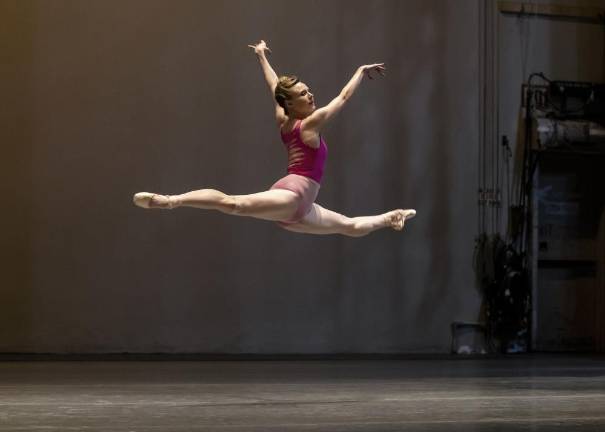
(143,200)
(397,221)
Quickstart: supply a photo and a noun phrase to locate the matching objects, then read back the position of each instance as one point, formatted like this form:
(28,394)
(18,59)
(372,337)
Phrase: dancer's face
(301,101)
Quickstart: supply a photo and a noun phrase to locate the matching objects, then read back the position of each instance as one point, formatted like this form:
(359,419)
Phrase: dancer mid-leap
(290,201)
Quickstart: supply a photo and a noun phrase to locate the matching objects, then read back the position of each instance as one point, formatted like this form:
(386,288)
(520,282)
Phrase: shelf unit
(568,199)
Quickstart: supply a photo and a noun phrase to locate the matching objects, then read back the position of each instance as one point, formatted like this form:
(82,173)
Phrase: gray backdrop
(102,99)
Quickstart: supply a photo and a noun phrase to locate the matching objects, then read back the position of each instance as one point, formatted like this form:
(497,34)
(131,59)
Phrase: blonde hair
(282,89)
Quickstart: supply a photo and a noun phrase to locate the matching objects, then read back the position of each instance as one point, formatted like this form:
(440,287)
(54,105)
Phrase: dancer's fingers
(262,42)
(378,67)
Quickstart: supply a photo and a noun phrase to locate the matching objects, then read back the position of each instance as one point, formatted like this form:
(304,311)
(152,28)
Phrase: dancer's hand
(260,47)
(376,67)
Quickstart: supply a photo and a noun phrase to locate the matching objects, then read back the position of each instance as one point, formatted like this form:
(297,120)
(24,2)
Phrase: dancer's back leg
(323,221)
(274,205)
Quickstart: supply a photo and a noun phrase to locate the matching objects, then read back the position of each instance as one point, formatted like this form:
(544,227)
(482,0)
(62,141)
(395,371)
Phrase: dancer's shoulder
(289,126)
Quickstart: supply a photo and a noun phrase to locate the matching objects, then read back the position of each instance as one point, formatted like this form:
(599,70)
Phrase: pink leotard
(305,171)
(302,159)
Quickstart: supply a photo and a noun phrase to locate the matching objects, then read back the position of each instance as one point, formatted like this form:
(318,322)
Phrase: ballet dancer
(291,201)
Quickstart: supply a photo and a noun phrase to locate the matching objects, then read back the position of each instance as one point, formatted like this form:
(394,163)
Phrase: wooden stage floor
(520,393)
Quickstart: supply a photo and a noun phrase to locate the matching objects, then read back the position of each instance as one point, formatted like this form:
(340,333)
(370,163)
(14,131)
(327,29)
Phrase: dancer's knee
(240,205)
(223,202)
(244,205)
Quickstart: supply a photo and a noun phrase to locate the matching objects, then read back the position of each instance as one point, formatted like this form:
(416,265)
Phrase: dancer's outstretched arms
(320,116)
(270,76)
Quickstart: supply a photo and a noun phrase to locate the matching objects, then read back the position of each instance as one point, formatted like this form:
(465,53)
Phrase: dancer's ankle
(162,202)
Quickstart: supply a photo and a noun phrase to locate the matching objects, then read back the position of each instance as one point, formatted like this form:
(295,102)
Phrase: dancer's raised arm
(270,76)
(320,116)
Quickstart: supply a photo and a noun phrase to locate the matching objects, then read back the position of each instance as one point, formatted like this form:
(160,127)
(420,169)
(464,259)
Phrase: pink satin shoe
(143,200)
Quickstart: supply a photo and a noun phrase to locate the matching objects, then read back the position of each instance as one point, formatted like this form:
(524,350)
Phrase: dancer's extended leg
(274,205)
(323,221)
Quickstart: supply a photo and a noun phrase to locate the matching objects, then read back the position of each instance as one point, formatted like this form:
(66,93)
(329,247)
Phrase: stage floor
(525,393)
